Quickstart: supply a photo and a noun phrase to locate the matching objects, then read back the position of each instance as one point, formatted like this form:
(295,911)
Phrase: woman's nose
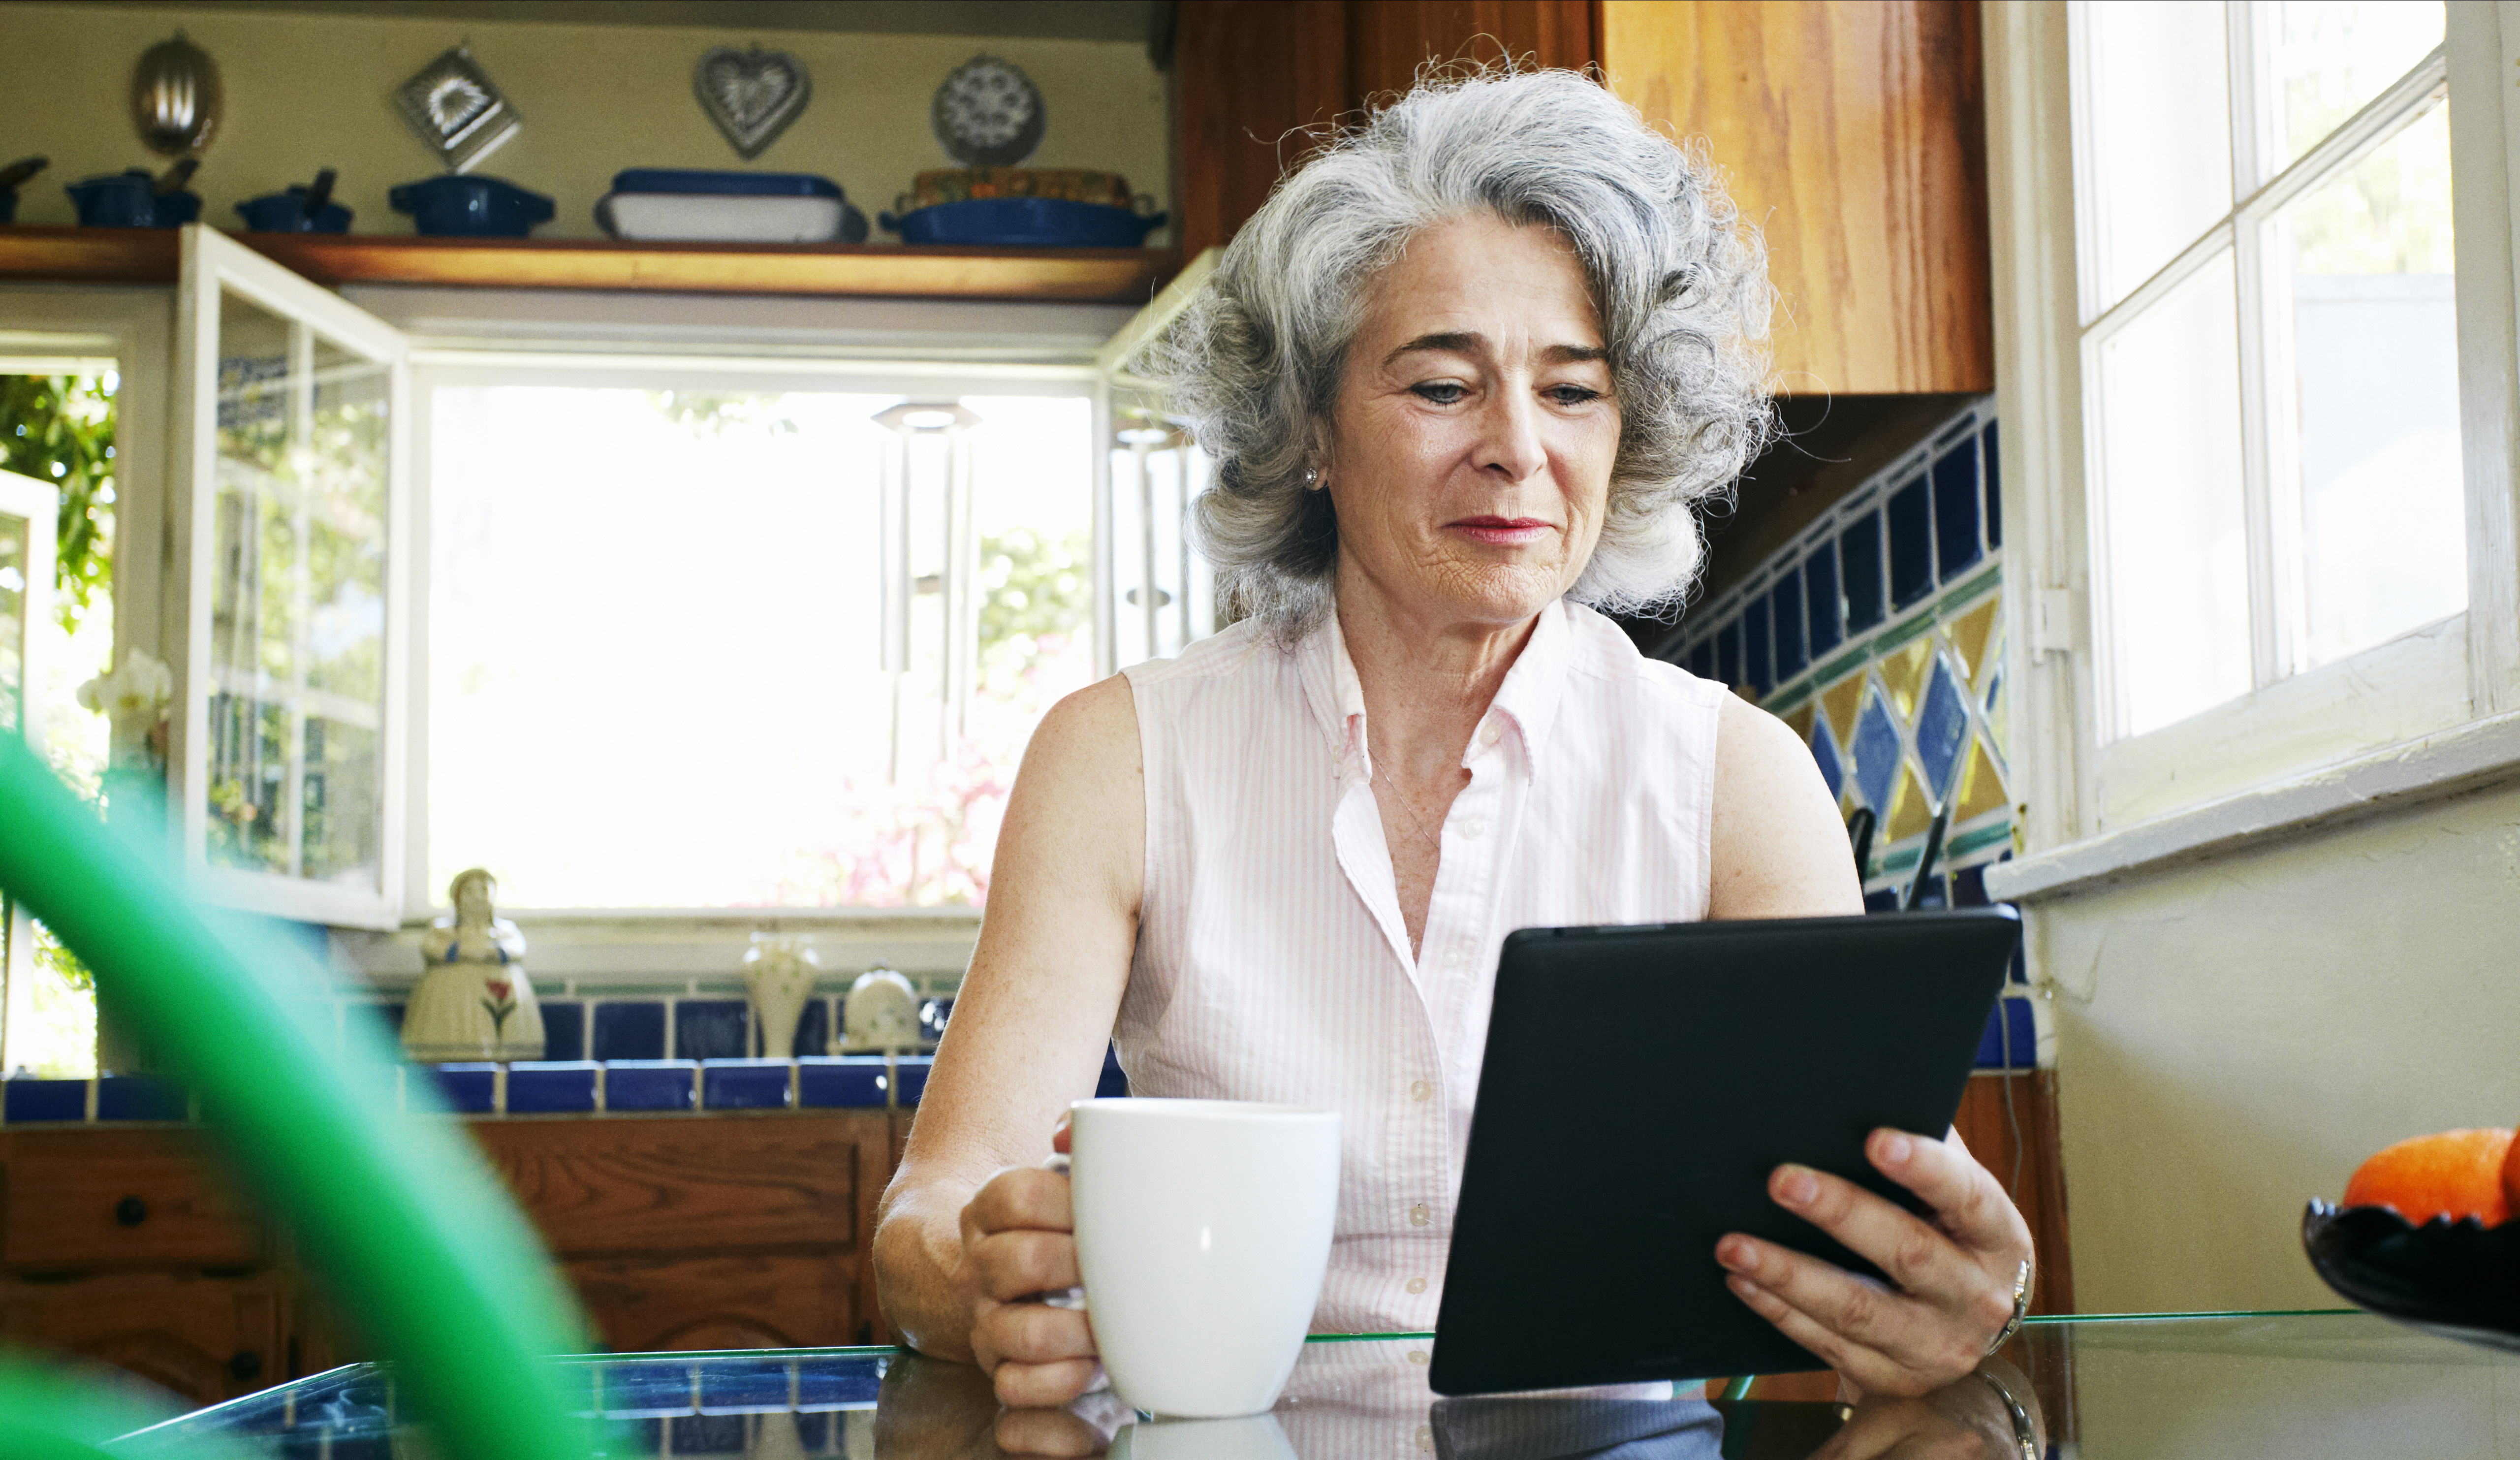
(1509,442)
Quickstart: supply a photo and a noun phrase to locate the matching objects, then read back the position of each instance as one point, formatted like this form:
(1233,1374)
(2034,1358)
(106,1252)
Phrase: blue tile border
(745,1084)
(649,1085)
(2011,1016)
(842,1082)
(910,1077)
(44,1100)
(140,1097)
(471,1088)
(551,1087)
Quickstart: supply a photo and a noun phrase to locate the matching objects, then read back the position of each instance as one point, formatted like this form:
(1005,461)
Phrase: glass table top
(2159,1386)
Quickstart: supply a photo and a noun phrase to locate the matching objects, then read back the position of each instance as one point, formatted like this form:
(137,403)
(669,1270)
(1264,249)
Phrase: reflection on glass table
(2301,1385)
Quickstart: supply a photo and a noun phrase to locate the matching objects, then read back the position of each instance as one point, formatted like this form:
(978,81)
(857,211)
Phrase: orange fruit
(2511,1178)
(2455,1173)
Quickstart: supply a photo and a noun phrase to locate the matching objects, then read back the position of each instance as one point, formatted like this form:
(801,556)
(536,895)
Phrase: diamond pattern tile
(1877,752)
(1942,729)
(1823,749)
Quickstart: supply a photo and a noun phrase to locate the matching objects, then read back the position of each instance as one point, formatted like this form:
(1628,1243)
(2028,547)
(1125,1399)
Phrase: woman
(1464,373)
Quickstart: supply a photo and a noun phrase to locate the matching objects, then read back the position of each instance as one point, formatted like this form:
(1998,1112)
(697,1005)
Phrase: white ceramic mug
(1255,1437)
(1203,1231)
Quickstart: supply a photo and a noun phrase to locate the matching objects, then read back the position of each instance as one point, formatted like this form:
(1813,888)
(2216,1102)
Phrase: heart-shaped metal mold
(751,95)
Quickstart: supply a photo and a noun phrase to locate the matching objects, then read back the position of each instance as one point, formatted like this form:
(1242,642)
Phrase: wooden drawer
(774,1301)
(87,1199)
(205,1339)
(671,1184)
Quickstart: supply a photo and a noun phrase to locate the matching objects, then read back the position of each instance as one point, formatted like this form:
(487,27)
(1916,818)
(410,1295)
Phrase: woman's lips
(1502,531)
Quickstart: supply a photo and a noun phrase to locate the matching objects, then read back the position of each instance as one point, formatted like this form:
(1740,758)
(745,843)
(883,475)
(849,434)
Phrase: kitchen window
(681,631)
(2259,407)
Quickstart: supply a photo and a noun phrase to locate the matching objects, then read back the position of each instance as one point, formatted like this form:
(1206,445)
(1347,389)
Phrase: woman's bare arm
(1778,850)
(1027,1036)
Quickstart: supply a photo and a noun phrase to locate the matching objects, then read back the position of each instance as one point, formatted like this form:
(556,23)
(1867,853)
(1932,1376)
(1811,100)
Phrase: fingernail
(1733,1252)
(1896,1148)
(1796,1187)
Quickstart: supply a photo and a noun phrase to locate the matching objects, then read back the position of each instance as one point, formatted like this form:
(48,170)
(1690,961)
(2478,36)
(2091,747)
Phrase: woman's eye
(1572,395)
(1439,392)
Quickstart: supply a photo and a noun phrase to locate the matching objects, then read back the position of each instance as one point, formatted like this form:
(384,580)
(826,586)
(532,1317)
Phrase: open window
(26,508)
(291,502)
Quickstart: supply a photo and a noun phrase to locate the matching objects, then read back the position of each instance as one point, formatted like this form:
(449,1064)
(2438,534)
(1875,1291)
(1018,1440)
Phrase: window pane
(2375,345)
(298,610)
(2333,57)
(2170,489)
(2159,135)
(657,660)
(14,536)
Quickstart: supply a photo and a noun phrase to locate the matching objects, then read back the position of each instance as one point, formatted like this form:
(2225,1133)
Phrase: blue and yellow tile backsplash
(1878,636)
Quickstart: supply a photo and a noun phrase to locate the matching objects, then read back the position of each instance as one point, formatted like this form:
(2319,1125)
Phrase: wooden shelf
(140,255)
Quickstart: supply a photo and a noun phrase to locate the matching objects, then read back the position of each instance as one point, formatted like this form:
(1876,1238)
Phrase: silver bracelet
(2024,1434)
(2020,1310)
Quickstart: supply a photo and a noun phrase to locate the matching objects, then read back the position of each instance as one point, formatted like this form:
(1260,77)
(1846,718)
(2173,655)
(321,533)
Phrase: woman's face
(1470,445)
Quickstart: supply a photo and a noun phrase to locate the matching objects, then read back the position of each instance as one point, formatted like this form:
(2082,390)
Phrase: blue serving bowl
(1024,222)
(130,200)
(461,206)
(286,213)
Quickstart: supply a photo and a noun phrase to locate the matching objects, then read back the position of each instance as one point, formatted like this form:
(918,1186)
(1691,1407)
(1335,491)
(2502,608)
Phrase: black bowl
(2460,1279)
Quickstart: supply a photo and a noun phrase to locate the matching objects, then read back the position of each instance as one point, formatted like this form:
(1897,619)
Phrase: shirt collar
(1527,700)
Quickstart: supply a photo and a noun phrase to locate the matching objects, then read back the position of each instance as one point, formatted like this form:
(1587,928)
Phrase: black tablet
(1639,1086)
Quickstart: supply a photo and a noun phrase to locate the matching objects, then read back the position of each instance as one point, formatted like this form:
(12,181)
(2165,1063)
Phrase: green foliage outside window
(60,429)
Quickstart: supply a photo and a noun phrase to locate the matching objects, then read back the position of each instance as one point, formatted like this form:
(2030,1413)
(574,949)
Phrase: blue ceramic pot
(286,213)
(1024,222)
(130,200)
(460,207)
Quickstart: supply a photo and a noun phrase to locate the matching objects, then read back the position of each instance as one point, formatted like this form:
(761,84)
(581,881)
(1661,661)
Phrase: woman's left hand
(1954,1277)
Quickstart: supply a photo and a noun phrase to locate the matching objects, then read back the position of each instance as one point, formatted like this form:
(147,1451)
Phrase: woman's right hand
(1018,1243)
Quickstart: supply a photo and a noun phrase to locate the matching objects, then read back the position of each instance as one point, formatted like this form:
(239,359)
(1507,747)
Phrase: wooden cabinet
(1854,135)
(716,1231)
(725,1232)
(1851,131)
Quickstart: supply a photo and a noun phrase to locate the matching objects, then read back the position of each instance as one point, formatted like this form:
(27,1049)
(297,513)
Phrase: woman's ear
(1316,462)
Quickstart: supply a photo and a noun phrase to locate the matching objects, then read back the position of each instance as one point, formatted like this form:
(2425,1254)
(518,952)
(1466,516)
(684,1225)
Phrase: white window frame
(2428,713)
(213,266)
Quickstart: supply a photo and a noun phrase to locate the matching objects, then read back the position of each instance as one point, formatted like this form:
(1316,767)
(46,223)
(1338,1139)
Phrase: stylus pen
(1740,1389)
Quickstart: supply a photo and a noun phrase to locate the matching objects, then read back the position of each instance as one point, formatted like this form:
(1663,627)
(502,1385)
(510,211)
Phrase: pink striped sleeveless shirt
(1272,963)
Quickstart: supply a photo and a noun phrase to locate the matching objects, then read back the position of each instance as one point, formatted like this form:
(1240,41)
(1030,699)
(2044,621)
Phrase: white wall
(2234,1037)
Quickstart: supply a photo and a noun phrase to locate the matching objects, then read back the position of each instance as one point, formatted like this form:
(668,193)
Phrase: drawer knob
(245,1364)
(130,1211)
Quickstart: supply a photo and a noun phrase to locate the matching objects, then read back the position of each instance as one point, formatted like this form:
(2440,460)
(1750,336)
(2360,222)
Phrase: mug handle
(1070,1298)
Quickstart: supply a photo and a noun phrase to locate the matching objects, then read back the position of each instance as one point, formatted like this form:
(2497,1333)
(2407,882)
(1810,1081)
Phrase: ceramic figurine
(882,1015)
(474,1002)
(779,972)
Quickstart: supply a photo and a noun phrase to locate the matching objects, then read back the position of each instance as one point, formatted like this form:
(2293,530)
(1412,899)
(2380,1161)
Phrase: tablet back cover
(1640,1084)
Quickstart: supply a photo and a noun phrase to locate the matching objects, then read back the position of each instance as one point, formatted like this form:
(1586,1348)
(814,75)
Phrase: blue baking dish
(286,213)
(724,183)
(1025,223)
(459,206)
(130,200)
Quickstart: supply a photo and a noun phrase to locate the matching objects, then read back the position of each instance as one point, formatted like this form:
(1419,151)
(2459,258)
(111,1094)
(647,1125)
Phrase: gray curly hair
(1253,364)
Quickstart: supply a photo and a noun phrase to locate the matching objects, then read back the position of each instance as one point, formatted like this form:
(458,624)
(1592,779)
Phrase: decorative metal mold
(988,113)
(751,95)
(175,97)
(453,107)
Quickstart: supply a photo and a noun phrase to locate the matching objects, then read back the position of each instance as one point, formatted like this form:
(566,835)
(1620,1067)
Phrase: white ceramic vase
(779,973)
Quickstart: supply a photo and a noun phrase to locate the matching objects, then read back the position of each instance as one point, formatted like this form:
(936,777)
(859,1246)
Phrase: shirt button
(1489,734)
(1415,1285)
(1455,958)
(1425,1436)
(1418,1215)
(1416,1355)
(1420,1090)
(1474,829)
